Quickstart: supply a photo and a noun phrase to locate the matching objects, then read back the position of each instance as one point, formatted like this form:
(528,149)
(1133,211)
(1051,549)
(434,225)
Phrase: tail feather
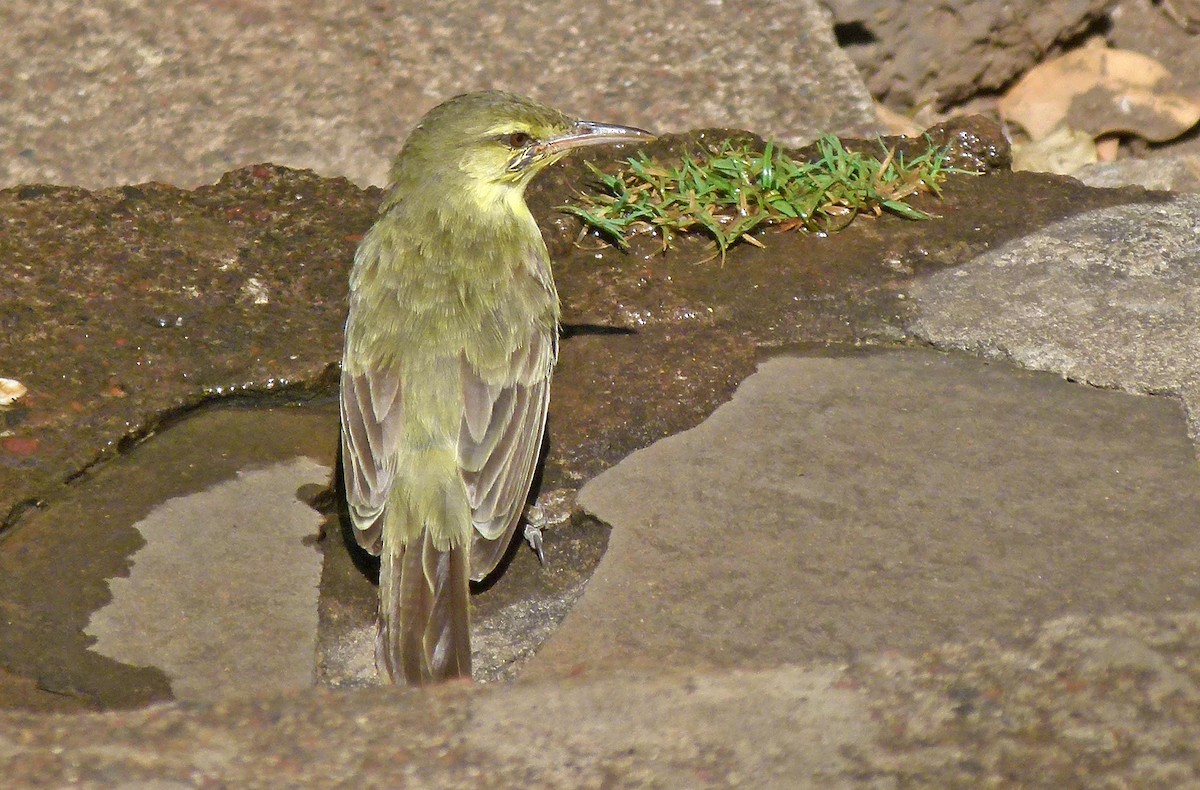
(424,615)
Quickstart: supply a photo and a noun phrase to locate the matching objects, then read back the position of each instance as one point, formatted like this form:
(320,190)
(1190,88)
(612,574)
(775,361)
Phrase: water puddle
(179,569)
(223,596)
(196,567)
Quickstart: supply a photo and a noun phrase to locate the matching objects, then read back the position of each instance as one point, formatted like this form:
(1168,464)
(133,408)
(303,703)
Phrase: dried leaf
(1101,91)
(894,123)
(1062,151)
(11,391)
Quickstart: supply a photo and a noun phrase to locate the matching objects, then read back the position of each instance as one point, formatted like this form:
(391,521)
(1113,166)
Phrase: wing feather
(371,413)
(498,461)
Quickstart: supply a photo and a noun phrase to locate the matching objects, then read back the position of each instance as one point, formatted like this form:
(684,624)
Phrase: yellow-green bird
(450,342)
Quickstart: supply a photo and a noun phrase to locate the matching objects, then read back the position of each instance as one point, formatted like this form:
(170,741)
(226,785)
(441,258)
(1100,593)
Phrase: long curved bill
(583,133)
(591,133)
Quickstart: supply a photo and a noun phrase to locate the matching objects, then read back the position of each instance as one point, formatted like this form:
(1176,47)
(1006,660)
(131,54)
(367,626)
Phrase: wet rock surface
(652,345)
(148,524)
(125,306)
(160,299)
(157,299)
(688,329)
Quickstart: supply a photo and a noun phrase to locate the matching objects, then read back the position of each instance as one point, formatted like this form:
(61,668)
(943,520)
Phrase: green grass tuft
(736,189)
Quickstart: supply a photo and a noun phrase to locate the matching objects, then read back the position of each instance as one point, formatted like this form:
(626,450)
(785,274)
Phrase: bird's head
(492,143)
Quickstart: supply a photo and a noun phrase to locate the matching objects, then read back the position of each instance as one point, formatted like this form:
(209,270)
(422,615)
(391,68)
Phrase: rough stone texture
(118,92)
(1174,173)
(930,50)
(630,731)
(842,506)
(1081,703)
(1109,297)
(154,300)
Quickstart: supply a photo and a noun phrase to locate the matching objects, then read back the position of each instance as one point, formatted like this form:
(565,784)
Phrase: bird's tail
(424,616)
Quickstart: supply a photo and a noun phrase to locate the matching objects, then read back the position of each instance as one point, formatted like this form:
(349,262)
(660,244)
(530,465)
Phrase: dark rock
(912,53)
(126,306)
(248,276)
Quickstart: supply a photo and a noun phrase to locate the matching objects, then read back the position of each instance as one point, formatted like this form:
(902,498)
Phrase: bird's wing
(371,416)
(499,443)
(423,626)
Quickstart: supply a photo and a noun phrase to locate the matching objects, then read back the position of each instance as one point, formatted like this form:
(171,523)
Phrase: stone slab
(1081,703)
(121,93)
(840,506)
(1109,297)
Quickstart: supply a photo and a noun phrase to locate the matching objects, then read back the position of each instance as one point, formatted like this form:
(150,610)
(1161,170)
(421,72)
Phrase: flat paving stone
(1110,297)
(120,93)
(844,505)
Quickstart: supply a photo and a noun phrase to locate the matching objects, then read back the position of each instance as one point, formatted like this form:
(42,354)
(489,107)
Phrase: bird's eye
(518,139)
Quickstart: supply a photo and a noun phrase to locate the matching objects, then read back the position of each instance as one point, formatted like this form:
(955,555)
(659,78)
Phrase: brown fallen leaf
(894,123)
(1101,91)
(1062,151)
(11,391)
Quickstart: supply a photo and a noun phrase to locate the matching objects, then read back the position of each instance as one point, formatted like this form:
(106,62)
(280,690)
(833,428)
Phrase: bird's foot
(535,519)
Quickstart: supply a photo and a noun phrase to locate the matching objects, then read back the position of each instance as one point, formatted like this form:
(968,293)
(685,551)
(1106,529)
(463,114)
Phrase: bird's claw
(533,531)
(533,536)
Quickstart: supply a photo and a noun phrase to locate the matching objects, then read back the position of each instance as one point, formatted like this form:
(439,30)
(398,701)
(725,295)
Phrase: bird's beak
(590,133)
(583,133)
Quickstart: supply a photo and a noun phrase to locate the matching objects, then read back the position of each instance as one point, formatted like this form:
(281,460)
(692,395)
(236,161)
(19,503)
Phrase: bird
(450,341)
